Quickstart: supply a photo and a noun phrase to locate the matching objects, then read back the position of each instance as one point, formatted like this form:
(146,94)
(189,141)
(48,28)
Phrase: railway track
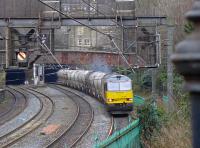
(33,123)
(110,132)
(68,135)
(117,123)
(120,122)
(15,107)
(81,124)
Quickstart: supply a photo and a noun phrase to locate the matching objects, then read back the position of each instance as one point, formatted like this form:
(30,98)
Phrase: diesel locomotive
(114,90)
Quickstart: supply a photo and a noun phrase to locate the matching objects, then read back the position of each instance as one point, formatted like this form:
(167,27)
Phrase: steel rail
(17,106)
(110,132)
(10,138)
(65,129)
(11,106)
(70,129)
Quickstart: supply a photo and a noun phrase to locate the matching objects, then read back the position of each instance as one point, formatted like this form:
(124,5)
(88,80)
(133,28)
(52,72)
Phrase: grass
(175,131)
(176,134)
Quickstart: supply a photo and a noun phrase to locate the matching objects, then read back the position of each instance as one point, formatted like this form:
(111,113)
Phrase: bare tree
(173,9)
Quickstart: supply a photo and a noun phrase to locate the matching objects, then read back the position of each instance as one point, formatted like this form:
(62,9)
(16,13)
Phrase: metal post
(187,62)
(122,31)
(170,69)
(8,47)
(52,36)
(154,72)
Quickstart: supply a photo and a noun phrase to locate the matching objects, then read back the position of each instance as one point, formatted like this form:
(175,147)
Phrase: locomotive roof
(118,77)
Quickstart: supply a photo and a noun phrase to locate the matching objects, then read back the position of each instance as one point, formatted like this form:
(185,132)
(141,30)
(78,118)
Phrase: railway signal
(22,57)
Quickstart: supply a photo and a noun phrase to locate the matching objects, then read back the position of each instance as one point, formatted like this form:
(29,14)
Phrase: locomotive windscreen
(119,86)
(113,86)
(124,86)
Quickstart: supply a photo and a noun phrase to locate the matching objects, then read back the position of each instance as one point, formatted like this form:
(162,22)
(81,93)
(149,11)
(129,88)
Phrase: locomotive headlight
(130,99)
(109,100)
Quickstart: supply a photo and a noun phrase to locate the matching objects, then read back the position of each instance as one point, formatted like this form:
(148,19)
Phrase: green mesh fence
(138,101)
(128,137)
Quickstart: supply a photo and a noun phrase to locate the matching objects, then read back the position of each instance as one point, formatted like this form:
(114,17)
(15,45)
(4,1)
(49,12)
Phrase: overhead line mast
(94,29)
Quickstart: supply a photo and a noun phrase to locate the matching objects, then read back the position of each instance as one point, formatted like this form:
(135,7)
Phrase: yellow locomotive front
(118,94)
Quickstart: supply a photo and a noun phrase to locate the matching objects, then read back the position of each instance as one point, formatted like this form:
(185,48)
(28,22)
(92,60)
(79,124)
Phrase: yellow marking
(119,97)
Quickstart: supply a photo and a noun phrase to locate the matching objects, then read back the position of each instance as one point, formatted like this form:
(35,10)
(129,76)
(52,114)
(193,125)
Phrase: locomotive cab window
(113,86)
(125,86)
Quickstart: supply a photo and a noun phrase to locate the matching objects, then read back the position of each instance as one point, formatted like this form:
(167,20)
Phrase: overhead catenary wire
(123,57)
(121,25)
(51,64)
(99,12)
(74,19)
(42,44)
(104,34)
(113,37)
(45,46)
(108,35)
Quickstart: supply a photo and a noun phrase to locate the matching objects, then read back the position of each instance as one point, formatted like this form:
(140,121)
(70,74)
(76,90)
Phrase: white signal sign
(21,56)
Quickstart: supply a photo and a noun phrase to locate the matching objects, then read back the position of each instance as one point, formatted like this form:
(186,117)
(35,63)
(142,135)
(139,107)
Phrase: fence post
(187,62)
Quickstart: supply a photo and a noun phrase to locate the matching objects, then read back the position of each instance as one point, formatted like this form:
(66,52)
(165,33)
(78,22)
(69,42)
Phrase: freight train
(114,90)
